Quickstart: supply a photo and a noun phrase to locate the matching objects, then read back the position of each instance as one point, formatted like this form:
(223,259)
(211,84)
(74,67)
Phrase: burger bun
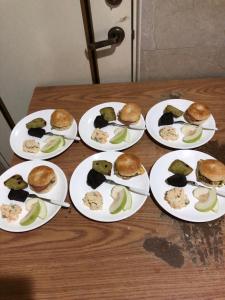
(61,119)
(41,179)
(196,113)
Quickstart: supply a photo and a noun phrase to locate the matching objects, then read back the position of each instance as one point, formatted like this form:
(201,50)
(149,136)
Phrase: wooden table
(150,255)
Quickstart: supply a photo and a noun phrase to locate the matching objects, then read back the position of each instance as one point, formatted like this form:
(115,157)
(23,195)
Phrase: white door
(43,43)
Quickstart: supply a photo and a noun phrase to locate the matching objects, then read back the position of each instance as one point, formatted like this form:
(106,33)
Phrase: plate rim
(24,156)
(163,208)
(48,163)
(170,145)
(102,148)
(96,219)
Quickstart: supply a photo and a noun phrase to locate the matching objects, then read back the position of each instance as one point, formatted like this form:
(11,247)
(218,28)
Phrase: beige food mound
(93,200)
(31,146)
(100,136)
(169,133)
(10,212)
(176,198)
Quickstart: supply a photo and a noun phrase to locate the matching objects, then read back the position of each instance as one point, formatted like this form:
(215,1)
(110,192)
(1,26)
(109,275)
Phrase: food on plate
(18,195)
(32,215)
(191,133)
(177,180)
(31,146)
(10,212)
(36,123)
(174,110)
(168,133)
(127,166)
(43,208)
(120,136)
(99,136)
(37,132)
(53,143)
(61,119)
(176,198)
(95,179)
(130,113)
(180,167)
(119,202)
(102,166)
(197,113)
(108,113)
(207,199)
(100,122)
(211,172)
(166,119)
(93,200)
(41,179)
(115,194)
(16,182)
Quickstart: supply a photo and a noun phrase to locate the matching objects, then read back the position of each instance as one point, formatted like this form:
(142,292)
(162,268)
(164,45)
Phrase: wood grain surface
(150,255)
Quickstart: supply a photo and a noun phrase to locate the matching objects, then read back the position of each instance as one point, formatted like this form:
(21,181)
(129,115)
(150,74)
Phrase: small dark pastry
(20,195)
(102,166)
(166,119)
(177,180)
(95,179)
(16,182)
(100,122)
(36,123)
(108,113)
(37,132)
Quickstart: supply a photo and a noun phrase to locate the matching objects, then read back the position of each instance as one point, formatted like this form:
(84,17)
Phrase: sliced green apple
(31,201)
(194,135)
(119,137)
(207,202)
(53,143)
(32,215)
(119,202)
(115,191)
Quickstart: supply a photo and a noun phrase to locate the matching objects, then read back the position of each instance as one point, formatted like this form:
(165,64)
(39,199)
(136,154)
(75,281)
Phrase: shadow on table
(15,288)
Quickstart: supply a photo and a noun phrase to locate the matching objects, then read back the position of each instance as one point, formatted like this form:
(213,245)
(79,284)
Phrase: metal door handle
(115,36)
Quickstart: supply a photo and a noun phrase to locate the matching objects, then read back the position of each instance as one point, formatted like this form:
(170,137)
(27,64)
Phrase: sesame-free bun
(211,172)
(128,165)
(61,119)
(196,113)
(130,113)
(41,179)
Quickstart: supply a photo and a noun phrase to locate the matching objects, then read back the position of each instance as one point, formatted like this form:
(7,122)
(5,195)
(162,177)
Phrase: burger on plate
(127,166)
(130,113)
(211,172)
(196,113)
(41,179)
(61,119)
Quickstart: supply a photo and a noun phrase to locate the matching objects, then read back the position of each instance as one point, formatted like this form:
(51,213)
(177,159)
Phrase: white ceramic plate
(78,188)
(86,127)
(58,193)
(19,135)
(160,173)
(156,112)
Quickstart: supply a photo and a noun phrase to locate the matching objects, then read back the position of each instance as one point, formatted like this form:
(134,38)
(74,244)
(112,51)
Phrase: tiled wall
(182,39)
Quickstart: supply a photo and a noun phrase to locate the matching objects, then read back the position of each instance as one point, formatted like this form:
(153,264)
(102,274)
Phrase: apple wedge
(119,202)
(207,199)
(191,133)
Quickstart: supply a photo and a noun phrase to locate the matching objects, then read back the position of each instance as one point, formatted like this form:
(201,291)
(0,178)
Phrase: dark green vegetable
(16,182)
(108,113)
(175,111)
(36,123)
(102,166)
(180,167)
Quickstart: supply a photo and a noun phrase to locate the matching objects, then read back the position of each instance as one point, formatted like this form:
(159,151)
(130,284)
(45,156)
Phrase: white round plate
(156,112)
(86,128)
(57,193)
(20,133)
(160,173)
(78,188)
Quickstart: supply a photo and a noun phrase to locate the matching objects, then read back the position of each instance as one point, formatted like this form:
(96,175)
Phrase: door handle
(115,36)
